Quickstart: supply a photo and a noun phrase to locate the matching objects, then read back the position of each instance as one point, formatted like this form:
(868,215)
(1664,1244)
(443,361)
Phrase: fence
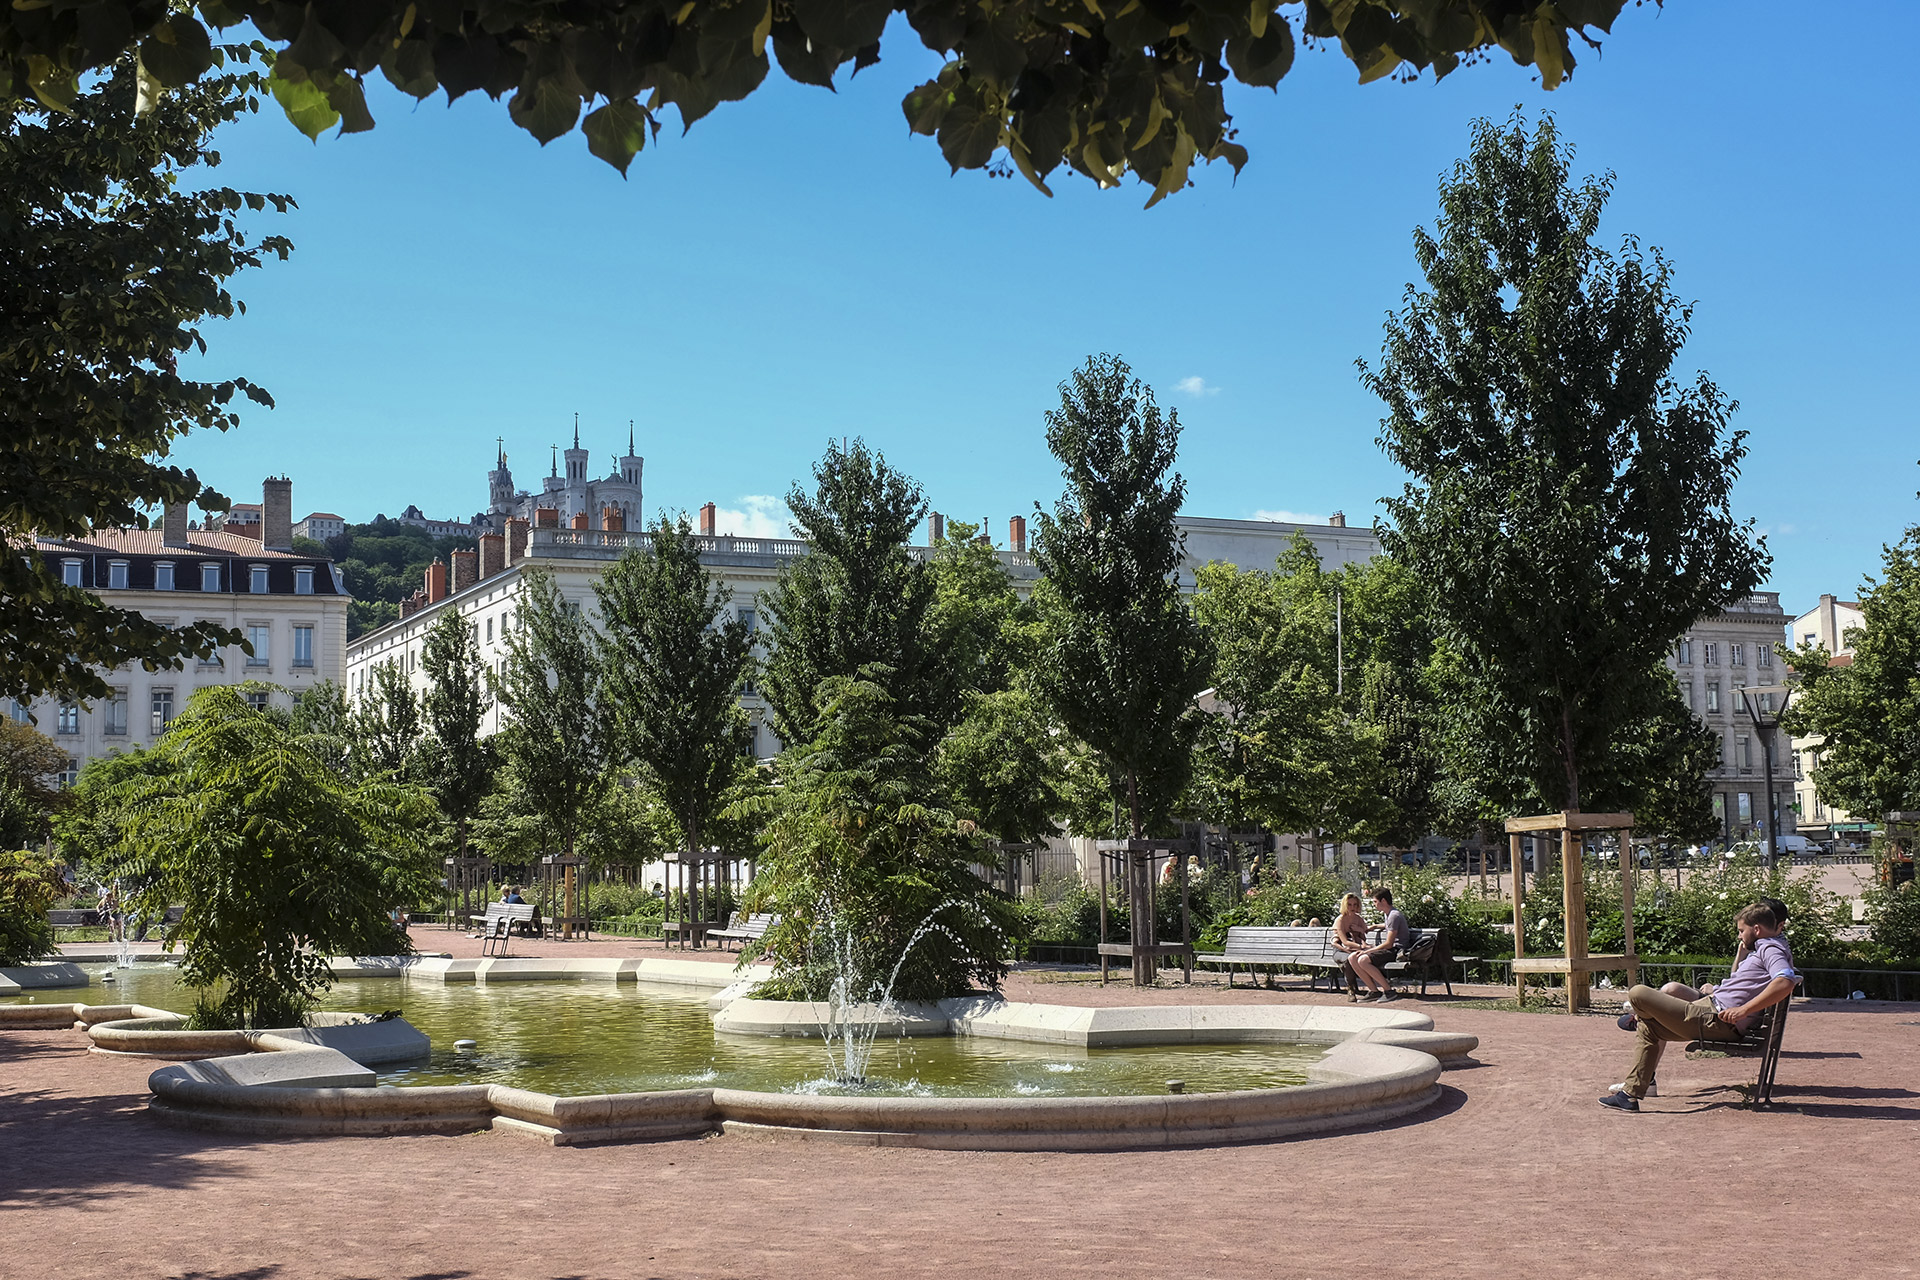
(1825,984)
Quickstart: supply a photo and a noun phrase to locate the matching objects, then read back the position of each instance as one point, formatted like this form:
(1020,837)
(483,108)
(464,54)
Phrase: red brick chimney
(436,582)
(580,520)
(516,540)
(1017,534)
(546,517)
(412,604)
(613,519)
(466,569)
(493,554)
(706,520)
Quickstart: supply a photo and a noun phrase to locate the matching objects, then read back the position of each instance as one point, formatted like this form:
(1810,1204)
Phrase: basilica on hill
(573,493)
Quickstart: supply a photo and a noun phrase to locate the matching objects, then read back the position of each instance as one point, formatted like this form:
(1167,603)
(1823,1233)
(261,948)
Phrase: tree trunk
(1133,804)
(1566,755)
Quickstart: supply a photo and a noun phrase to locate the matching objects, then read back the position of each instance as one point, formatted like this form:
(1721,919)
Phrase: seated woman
(1350,935)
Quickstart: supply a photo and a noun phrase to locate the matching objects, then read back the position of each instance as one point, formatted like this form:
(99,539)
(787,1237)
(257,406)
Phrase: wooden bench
(502,921)
(1313,949)
(752,930)
(66,919)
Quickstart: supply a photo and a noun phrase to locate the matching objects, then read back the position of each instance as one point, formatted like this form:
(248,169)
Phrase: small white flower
(1723,895)
(1426,897)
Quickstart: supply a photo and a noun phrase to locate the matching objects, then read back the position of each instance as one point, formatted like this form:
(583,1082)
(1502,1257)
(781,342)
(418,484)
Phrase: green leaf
(617,132)
(346,96)
(304,102)
(54,87)
(546,112)
(968,135)
(408,67)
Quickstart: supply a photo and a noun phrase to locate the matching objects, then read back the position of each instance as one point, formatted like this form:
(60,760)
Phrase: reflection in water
(599,1037)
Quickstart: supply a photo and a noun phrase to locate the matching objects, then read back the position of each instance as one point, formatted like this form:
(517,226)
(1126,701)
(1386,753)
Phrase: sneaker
(1378,997)
(1628,1022)
(1353,997)
(1621,1101)
(1653,1090)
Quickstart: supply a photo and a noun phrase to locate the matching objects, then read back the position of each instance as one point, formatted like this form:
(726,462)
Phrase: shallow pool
(602,1037)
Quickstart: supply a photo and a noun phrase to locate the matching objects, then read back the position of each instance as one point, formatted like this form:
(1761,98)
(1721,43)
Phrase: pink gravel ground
(1515,1173)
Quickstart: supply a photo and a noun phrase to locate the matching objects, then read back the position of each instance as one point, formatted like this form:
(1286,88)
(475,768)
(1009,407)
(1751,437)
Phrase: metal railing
(1826,984)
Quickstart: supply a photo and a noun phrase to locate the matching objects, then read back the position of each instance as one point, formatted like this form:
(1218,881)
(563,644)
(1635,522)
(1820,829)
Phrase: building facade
(485,586)
(1717,659)
(1825,625)
(292,609)
(320,525)
(574,494)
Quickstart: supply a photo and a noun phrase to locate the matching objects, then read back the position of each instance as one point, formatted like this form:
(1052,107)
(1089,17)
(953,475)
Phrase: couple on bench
(1364,964)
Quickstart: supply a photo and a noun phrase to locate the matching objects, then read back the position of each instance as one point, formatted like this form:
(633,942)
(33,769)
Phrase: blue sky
(799,267)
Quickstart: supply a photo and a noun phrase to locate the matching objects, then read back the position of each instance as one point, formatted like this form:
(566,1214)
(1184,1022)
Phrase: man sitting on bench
(1760,981)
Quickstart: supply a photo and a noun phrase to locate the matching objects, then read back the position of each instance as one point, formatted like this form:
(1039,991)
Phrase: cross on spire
(576,431)
(502,440)
(556,458)
(629,437)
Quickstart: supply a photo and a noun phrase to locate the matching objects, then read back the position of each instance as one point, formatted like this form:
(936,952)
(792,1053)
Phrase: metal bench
(1764,1037)
(502,921)
(752,930)
(1313,949)
(65,919)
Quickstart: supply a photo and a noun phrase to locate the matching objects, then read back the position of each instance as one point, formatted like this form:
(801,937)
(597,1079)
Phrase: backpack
(1425,949)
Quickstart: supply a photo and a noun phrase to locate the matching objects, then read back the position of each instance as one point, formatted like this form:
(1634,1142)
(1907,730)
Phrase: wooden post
(1574,899)
(1144,926)
(1483,868)
(1629,872)
(1100,855)
(1519,924)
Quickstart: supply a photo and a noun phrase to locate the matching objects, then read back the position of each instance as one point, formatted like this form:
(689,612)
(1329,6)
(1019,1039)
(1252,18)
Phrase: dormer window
(70,573)
(303,580)
(163,575)
(117,575)
(259,586)
(210,577)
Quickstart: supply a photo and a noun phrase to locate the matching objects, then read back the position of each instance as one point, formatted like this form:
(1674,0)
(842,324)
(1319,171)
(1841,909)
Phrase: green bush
(1893,920)
(29,883)
(1471,928)
(1295,895)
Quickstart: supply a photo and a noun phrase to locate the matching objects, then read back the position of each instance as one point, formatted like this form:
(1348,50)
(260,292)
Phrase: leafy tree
(858,600)
(30,763)
(454,762)
(1004,766)
(29,884)
(1866,713)
(114,248)
(559,744)
(1126,657)
(674,657)
(1103,89)
(978,624)
(382,563)
(857,860)
(1570,513)
(276,860)
(386,724)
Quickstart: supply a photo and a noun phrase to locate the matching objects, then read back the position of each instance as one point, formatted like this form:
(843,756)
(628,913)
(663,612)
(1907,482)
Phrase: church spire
(629,437)
(556,460)
(576,431)
(502,441)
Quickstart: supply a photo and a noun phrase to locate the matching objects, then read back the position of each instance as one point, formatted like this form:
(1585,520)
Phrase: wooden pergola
(467,880)
(1577,964)
(701,877)
(1135,861)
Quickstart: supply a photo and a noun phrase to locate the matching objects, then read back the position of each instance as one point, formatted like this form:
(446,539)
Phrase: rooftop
(150,542)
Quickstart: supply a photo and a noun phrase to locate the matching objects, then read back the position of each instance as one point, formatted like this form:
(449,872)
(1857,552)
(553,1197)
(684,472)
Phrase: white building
(320,525)
(574,495)
(484,585)
(292,609)
(1719,657)
(1825,625)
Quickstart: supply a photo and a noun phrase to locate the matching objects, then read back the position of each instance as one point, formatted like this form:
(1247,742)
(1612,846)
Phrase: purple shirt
(1768,960)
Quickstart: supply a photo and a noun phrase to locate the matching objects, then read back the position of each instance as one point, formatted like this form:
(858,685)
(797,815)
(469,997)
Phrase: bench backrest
(1277,938)
(68,918)
(509,911)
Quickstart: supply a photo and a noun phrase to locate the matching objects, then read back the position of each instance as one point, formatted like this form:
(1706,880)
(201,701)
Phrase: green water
(599,1037)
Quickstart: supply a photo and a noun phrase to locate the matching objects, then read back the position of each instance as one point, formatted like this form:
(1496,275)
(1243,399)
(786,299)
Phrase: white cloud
(1195,386)
(758,516)
(1288,517)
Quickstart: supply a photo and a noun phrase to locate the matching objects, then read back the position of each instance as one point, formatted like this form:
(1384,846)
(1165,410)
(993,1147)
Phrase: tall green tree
(1570,511)
(1866,713)
(115,248)
(30,764)
(859,599)
(386,724)
(454,762)
(675,656)
(1103,89)
(277,860)
(1126,658)
(561,738)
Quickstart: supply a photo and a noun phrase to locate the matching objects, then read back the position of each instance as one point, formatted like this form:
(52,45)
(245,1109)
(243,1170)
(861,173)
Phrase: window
(117,713)
(1744,802)
(1766,702)
(70,573)
(162,710)
(259,584)
(753,623)
(68,775)
(69,719)
(260,637)
(117,575)
(1685,651)
(1745,756)
(1764,655)
(209,577)
(303,580)
(211,659)
(257,699)
(1686,692)
(1734,652)
(163,575)
(303,646)
(1713,695)
(20,712)
(489,630)
(1710,652)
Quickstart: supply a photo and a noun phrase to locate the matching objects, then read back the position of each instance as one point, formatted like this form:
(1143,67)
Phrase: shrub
(29,883)
(1893,919)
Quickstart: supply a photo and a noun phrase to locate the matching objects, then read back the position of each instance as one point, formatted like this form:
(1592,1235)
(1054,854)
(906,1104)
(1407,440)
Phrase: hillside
(383,563)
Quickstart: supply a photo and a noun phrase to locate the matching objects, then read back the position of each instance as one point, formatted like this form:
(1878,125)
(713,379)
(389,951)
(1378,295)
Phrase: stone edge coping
(693,973)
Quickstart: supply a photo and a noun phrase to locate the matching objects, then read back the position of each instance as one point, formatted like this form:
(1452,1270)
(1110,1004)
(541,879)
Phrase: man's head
(1754,922)
(1383,897)
(1779,912)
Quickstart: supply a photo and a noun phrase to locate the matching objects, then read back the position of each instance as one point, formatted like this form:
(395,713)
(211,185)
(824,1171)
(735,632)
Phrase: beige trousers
(1663,1018)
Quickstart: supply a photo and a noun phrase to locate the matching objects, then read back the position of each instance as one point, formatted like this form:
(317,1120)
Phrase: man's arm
(1777,990)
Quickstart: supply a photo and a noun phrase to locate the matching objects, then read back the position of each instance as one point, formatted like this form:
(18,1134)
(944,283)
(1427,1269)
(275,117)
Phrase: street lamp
(1764,705)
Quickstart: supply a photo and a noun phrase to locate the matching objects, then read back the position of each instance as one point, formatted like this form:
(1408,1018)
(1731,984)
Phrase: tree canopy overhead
(1102,86)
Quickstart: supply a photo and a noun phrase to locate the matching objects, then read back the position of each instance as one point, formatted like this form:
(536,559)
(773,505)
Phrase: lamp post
(1761,709)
